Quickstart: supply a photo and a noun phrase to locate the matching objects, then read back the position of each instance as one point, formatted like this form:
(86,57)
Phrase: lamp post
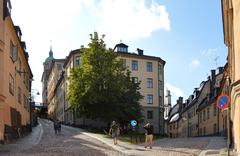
(33,120)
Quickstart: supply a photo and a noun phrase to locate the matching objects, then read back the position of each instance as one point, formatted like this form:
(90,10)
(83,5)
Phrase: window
(160,101)
(214,110)
(135,79)
(159,69)
(204,115)
(174,126)
(170,127)
(149,114)
(149,67)
(78,61)
(19,65)
(200,116)
(27,81)
(19,95)
(215,128)
(160,85)
(24,76)
(134,65)
(26,106)
(149,99)
(124,62)
(71,65)
(204,130)
(200,131)
(208,113)
(13,52)
(59,67)
(149,83)
(11,84)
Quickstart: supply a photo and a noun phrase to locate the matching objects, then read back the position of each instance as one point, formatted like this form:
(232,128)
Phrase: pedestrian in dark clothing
(55,126)
(149,135)
(59,127)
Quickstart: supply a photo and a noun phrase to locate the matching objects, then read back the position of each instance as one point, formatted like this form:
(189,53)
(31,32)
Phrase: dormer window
(9,7)
(121,48)
(6,8)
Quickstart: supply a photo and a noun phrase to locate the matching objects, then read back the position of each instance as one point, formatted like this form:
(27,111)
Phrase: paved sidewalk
(216,147)
(162,147)
(26,142)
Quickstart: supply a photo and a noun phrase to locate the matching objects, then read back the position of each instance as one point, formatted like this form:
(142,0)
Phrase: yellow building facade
(15,77)
(231,28)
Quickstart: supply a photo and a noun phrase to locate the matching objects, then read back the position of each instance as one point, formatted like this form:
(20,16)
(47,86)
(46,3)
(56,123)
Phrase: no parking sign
(223,101)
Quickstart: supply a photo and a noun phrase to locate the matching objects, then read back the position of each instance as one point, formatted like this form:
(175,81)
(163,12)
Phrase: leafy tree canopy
(101,87)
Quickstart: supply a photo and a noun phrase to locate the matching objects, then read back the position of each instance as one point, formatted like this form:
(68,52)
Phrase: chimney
(213,78)
(140,51)
(213,75)
(196,92)
(209,77)
(180,102)
(220,70)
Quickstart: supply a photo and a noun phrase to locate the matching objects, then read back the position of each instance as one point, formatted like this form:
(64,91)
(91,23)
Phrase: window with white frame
(149,67)
(134,65)
(149,83)
(149,99)
(135,79)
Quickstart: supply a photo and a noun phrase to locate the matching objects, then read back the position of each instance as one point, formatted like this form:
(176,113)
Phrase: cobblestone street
(50,144)
(74,142)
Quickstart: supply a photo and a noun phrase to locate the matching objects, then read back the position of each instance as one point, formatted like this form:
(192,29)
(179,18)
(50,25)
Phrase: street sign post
(223,101)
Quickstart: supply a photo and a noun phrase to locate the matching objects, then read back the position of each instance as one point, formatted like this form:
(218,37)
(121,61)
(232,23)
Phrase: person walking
(149,135)
(59,127)
(55,126)
(114,131)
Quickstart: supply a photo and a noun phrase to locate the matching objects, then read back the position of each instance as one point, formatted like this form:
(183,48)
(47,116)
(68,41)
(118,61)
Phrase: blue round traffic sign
(133,123)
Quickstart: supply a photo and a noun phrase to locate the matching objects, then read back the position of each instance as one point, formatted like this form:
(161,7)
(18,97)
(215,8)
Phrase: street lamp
(33,119)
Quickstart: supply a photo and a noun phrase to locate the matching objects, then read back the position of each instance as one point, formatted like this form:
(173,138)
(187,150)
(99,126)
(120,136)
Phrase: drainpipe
(229,139)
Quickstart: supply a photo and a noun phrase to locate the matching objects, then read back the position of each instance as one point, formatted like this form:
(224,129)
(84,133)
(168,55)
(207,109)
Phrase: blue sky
(187,34)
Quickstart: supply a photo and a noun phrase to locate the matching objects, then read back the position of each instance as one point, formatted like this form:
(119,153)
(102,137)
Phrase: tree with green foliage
(101,87)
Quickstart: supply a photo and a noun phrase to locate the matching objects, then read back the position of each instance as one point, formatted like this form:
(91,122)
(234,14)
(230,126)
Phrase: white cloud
(175,91)
(131,19)
(209,52)
(68,22)
(194,64)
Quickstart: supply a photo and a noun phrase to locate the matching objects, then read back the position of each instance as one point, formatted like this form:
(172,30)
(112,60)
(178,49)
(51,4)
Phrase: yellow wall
(7,67)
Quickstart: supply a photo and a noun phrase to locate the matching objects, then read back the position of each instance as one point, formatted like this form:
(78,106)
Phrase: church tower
(167,104)
(46,69)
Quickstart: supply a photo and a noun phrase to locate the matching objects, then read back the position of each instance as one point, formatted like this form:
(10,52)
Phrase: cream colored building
(150,71)
(199,115)
(73,60)
(15,77)
(54,76)
(209,115)
(231,28)
(147,69)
